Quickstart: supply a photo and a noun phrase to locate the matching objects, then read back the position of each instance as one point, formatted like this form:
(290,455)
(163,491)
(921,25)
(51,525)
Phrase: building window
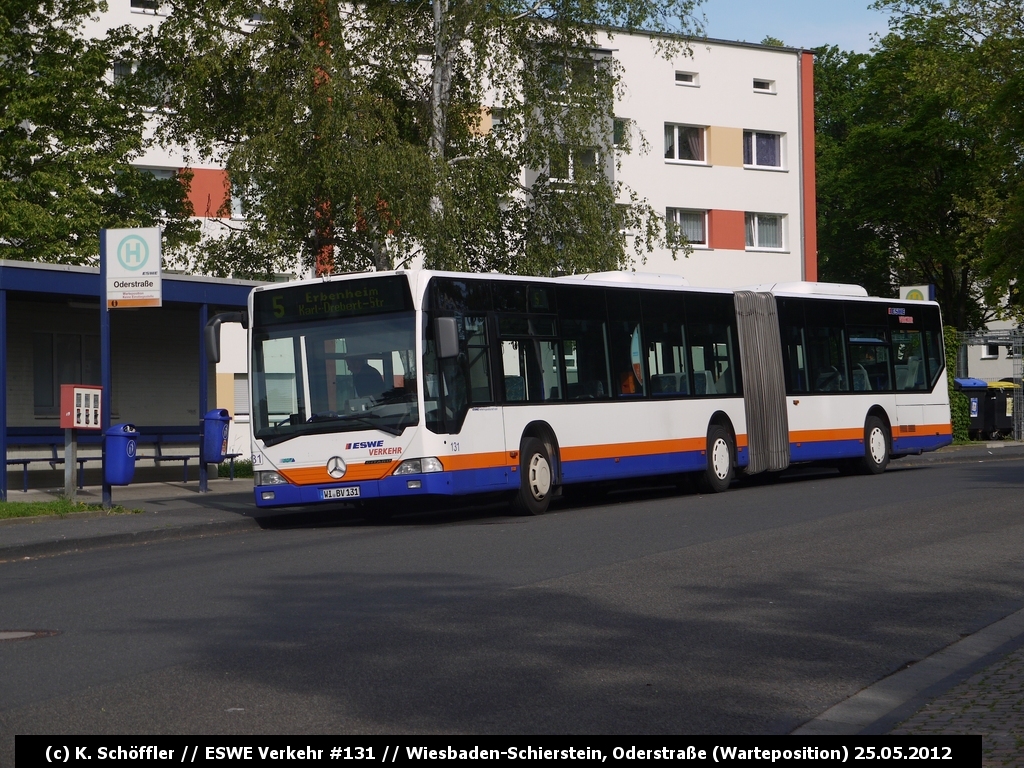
(61,358)
(689,224)
(241,391)
(991,352)
(764,86)
(684,143)
(145,5)
(762,150)
(567,165)
(764,231)
(122,70)
(688,79)
(620,131)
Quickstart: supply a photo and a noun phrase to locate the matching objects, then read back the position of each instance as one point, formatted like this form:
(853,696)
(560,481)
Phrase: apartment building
(730,128)
(731,160)
(730,131)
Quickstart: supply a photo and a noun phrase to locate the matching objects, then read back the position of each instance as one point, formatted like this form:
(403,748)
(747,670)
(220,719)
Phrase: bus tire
(876,447)
(536,479)
(721,455)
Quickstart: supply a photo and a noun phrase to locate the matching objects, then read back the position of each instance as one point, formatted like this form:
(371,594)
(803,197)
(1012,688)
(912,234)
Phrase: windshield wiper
(320,422)
(362,418)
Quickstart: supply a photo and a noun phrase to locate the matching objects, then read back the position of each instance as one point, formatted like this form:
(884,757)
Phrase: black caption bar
(338,751)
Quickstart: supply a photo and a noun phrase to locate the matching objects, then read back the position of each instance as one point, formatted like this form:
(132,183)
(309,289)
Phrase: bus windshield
(338,375)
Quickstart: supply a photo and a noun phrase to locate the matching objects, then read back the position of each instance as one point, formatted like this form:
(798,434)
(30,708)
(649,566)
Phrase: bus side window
(933,346)
(530,370)
(794,347)
(665,336)
(908,360)
(712,352)
(626,344)
(825,336)
(478,360)
(584,333)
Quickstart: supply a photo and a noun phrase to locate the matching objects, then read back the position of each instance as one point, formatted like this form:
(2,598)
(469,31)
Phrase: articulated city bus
(407,384)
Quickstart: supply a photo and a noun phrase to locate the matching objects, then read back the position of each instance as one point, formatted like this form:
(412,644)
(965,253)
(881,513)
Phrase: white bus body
(572,380)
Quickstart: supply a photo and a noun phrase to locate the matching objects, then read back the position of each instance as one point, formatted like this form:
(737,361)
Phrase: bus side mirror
(446,334)
(211,332)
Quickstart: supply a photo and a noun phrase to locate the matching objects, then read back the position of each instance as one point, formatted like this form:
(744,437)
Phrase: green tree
(919,165)
(68,133)
(476,135)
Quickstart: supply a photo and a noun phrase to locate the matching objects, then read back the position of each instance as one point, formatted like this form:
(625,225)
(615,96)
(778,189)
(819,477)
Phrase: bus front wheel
(721,456)
(535,479)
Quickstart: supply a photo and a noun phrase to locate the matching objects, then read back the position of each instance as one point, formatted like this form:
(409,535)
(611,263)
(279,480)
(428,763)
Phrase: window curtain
(748,148)
(768,149)
(769,232)
(695,142)
(751,222)
(691,223)
(670,142)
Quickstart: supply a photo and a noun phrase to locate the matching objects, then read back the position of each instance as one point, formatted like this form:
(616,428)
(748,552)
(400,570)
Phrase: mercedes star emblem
(336,467)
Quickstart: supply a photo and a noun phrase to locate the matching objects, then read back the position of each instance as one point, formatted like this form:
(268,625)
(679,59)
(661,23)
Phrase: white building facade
(731,160)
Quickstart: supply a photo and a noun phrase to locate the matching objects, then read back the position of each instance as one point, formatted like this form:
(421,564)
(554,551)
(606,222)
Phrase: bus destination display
(331,300)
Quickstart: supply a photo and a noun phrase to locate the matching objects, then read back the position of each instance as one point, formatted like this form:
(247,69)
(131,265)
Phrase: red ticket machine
(80,406)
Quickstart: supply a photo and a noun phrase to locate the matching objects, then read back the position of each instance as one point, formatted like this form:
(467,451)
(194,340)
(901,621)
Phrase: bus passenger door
(463,391)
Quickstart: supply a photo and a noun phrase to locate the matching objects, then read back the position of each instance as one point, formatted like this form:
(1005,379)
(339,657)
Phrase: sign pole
(70,459)
(3,393)
(204,312)
(105,379)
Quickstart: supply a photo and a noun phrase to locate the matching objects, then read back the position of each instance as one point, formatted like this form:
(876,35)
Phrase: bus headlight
(419,466)
(270,478)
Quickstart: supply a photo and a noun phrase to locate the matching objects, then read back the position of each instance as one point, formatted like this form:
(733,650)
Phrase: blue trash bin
(120,442)
(974,390)
(215,435)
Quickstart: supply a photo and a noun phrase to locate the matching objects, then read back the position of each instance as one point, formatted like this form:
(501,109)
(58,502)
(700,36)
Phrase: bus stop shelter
(49,335)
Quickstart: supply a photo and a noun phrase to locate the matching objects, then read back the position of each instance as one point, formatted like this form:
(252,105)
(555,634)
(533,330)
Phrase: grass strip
(59,507)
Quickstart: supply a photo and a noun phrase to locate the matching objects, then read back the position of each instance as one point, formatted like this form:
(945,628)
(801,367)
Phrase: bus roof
(810,289)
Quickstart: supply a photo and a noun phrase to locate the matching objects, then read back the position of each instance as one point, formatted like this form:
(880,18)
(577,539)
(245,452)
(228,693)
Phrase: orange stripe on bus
(619,450)
(479,460)
(355,473)
(823,435)
(490,460)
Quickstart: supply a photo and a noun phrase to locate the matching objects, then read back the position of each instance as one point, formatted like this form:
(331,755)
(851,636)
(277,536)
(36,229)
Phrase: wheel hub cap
(540,476)
(720,459)
(877,445)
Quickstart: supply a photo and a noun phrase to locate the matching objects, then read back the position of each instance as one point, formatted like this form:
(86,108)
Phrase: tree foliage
(67,136)
(477,136)
(918,162)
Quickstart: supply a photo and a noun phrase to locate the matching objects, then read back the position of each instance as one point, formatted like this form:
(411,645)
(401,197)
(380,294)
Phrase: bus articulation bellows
(415,383)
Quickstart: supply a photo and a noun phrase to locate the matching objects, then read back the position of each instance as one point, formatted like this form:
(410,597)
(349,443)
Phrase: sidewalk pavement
(168,511)
(973,686)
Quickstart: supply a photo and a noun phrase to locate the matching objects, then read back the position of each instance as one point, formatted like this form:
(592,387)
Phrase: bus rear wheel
(536,479)
(876,447)
(721,454)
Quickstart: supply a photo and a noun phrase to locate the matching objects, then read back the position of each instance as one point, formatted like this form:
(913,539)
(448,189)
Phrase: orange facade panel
(726,230)
(209,192)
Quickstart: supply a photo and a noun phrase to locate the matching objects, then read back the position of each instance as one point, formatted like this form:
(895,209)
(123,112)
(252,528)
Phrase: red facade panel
(726,230)
(210,193)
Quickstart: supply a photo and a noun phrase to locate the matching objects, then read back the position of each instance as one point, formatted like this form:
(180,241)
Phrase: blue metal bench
(159,437)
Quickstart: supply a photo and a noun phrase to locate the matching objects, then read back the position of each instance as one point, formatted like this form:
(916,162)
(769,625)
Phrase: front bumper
(403,486)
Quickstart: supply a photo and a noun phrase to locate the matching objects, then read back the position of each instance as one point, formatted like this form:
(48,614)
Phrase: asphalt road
(745,612)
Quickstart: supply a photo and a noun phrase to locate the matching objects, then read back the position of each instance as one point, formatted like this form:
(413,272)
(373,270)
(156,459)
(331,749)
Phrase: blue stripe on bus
(825,449)
(470,481)
(915,443)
